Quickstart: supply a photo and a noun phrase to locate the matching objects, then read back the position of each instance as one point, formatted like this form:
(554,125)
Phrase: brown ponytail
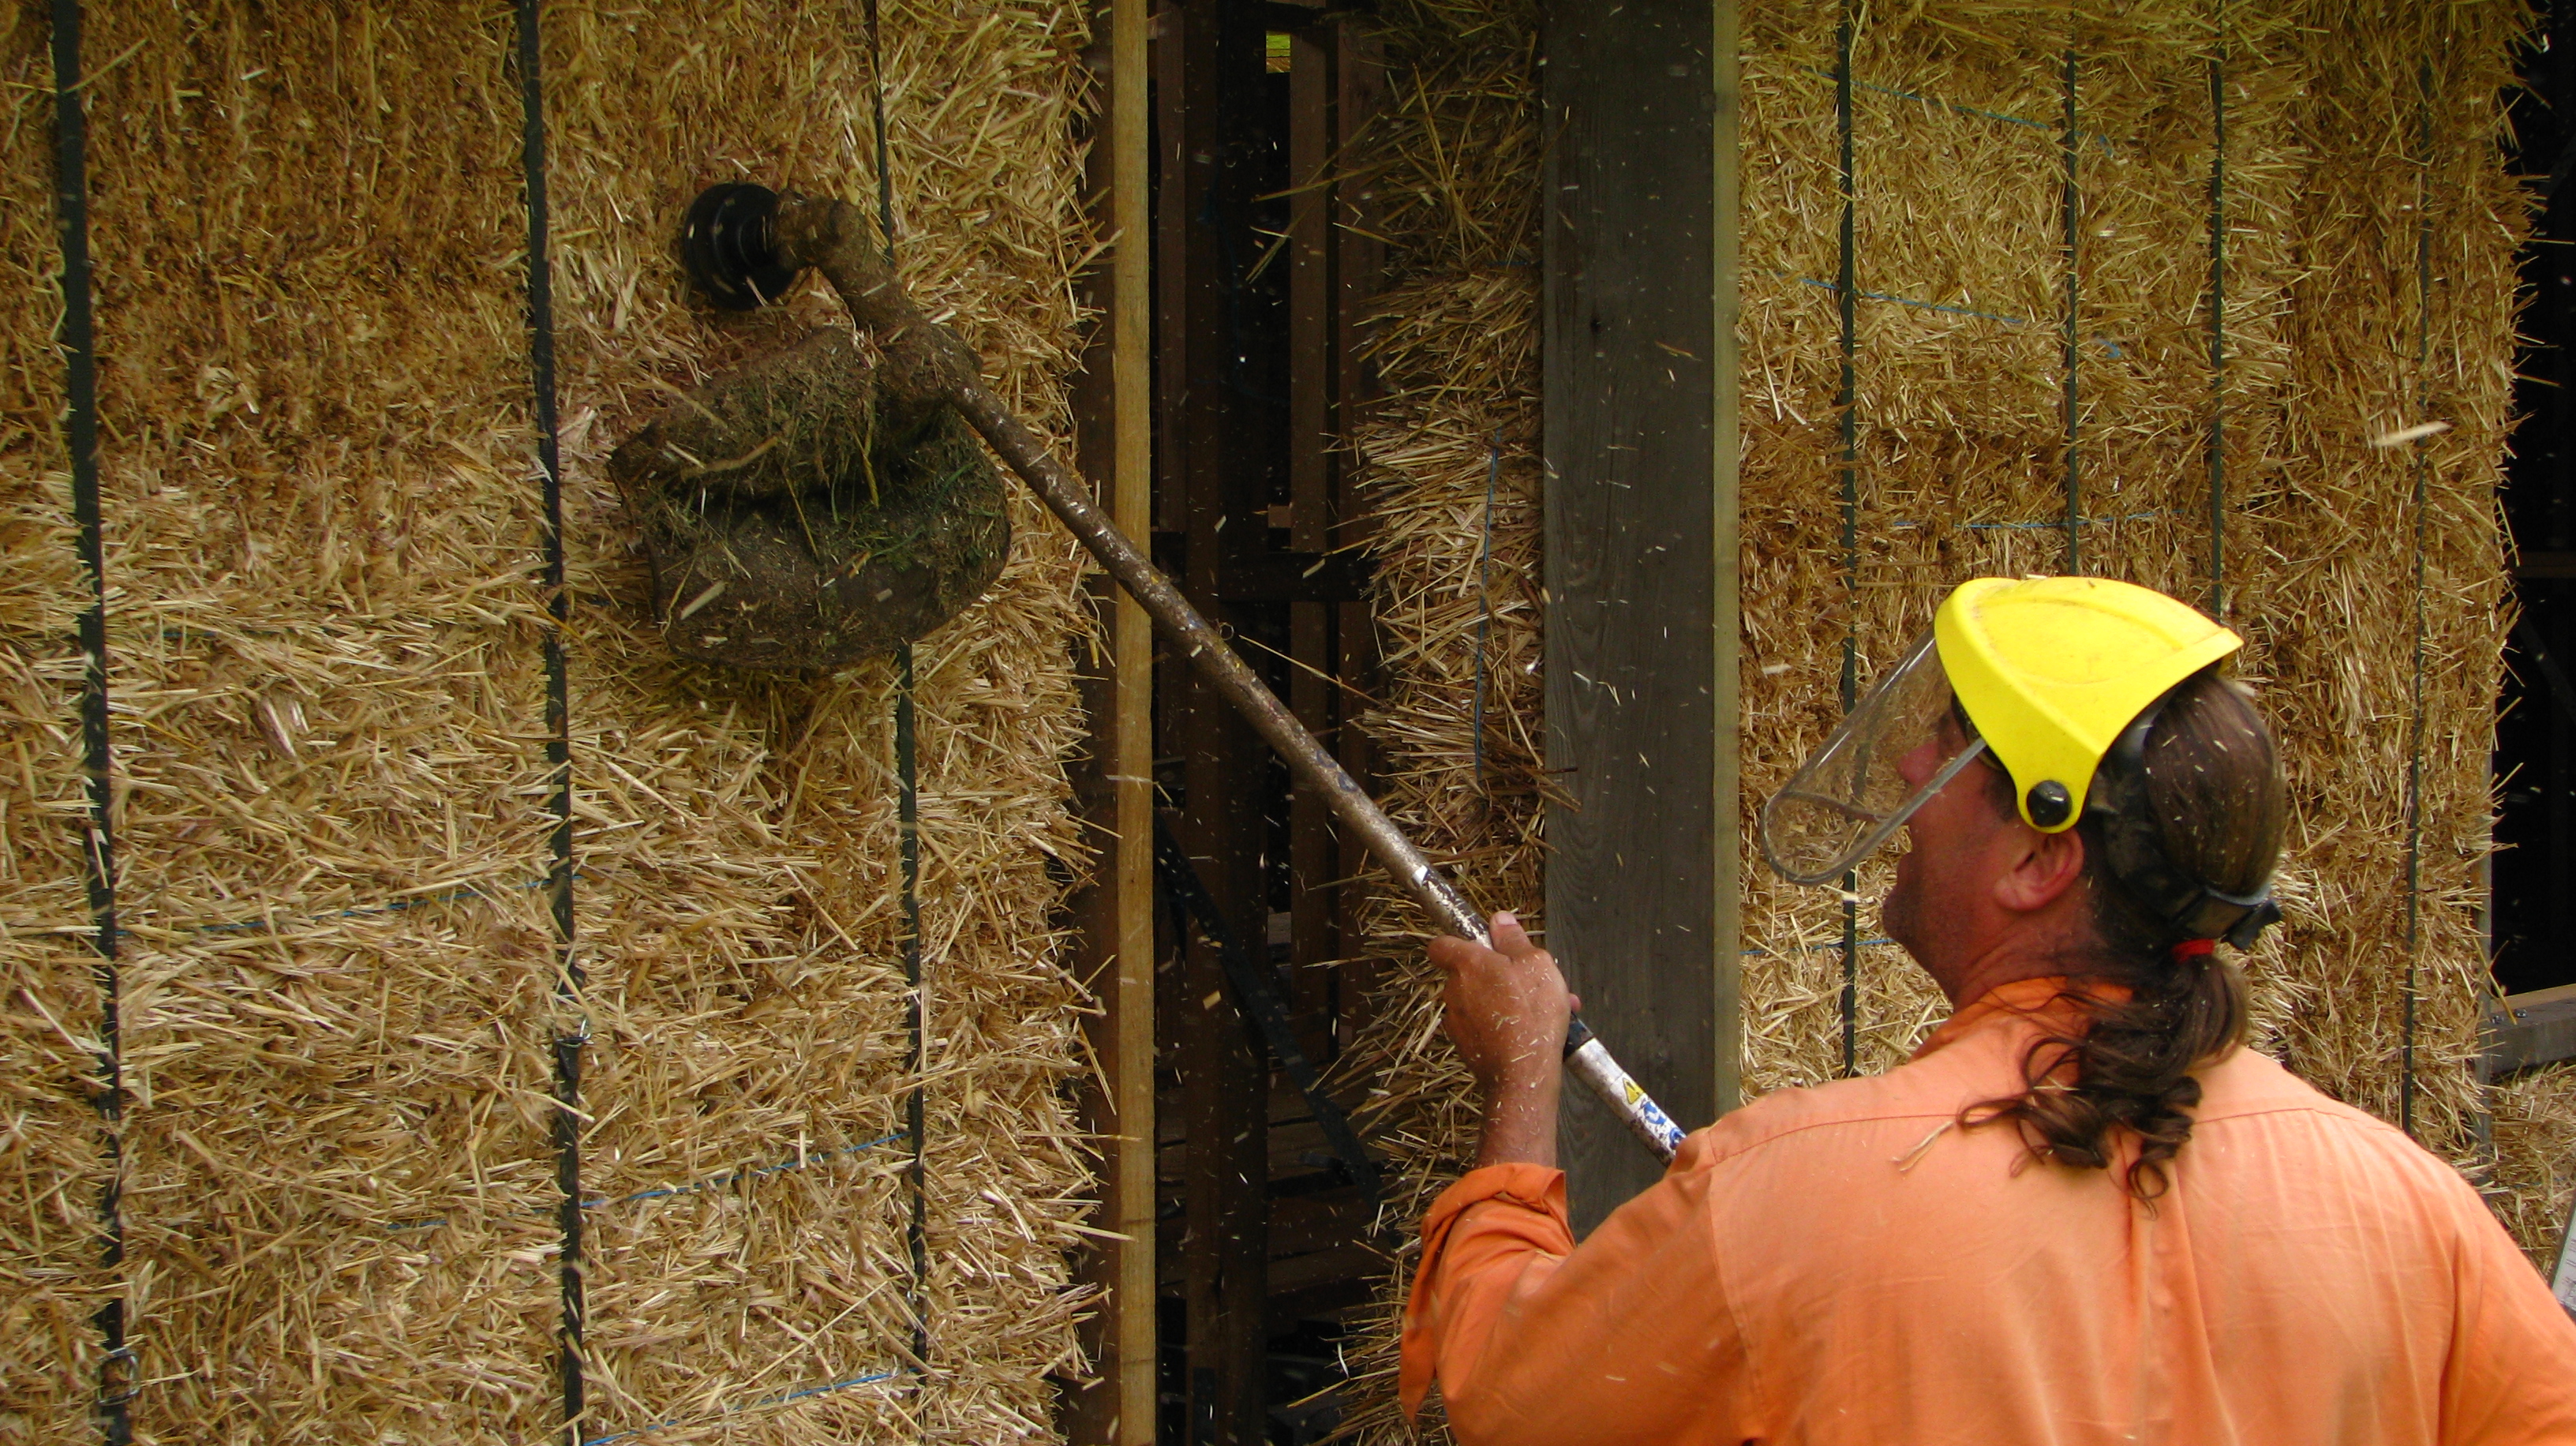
(2214,786)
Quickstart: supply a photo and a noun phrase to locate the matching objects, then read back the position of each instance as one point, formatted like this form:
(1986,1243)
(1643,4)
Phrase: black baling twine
(2218,321)
(98,857)
(908,819)
(2423,475)
(1847,406)
(2073,205)
(1485,604)
(569,982)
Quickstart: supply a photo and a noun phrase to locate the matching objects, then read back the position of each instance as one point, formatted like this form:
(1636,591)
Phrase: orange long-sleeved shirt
(1845,1264)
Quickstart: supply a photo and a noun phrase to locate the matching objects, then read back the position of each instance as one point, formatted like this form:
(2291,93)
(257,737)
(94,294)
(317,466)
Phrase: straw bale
(2535,1167)
(739,900)
(327,701)
(1957,126)
(1961,429)
(326,636)
(52,1156)
(2338,543)
(1451,466)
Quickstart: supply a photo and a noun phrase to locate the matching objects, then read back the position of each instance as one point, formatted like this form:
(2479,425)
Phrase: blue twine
(1918,305)
(720,1181)
(778,1400)
(1956,108)
(2104,342)
(1485,599)
(713,1183)
(2052,524)
(396,907)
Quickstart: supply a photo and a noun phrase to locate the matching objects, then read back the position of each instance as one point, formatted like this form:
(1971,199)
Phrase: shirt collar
(2041,998)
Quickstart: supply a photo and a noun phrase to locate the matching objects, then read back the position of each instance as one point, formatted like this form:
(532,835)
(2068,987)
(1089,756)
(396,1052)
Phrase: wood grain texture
(1132,749)
(1209,57)
(1635,508)
(1114,777)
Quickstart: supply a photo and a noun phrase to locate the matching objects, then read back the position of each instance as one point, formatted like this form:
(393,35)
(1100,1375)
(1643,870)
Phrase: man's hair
(2214,785)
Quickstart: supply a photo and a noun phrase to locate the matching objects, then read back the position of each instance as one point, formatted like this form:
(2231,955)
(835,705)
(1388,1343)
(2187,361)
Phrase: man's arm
(1626,1339)
(2512,1369)
(1507,1009)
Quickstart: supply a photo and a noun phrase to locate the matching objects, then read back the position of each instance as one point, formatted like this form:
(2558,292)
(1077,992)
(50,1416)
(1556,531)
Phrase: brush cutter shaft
(796,231)
(1589,1061)
(1217,662)
(1066,496)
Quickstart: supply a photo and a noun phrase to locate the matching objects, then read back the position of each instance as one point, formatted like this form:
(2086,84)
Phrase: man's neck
(2035,951)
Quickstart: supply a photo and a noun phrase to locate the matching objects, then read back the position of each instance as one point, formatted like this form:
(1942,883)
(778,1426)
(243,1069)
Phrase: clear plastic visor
(1898,748)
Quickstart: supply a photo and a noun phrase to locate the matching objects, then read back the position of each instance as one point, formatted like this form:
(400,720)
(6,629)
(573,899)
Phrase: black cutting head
(726,247)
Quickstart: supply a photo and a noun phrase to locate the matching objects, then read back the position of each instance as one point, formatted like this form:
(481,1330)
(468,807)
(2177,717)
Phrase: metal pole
(829,236)
(1315,767)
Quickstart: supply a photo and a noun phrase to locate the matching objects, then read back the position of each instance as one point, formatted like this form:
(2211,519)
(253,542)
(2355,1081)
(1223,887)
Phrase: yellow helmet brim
(2051,669)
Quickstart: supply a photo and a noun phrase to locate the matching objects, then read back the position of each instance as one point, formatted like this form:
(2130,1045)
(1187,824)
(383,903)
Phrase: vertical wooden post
(1131,743)
(1209,66)
(1114,785)
(1313,861)
(1639,372)
(1359,78)
(1726,624)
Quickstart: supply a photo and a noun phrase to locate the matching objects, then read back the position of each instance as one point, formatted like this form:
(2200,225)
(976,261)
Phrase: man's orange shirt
(1846,1264)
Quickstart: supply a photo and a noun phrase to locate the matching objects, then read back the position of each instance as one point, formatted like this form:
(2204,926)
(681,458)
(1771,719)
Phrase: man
(2082,1213)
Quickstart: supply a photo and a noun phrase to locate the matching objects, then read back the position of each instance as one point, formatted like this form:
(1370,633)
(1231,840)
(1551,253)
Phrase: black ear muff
(727,248)
(2049,803)
(2264,913)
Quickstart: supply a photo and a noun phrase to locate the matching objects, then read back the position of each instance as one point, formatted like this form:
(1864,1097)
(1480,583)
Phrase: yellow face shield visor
(1901,745)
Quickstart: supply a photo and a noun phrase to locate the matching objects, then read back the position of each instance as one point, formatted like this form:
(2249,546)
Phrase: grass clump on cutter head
(811,509)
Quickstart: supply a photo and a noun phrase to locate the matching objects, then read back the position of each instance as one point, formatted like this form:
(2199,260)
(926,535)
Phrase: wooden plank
(2524,1030)
(1131,746)
(1171,276)
(1314,862)
(1726,549)
(1113,782)
(1209,69)
(1359,78)
(1640,885)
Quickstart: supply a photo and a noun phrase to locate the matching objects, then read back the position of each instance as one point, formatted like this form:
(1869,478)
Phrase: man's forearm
(1520,1118)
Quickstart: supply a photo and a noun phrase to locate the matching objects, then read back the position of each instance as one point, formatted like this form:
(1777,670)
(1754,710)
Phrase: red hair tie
(2190,949)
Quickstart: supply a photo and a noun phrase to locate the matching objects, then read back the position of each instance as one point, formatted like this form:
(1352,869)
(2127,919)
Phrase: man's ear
(2042,869)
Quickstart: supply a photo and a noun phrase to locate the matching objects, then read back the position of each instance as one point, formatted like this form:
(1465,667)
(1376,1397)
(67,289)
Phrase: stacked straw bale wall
(324,670)
(2370,238)
(327,627)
